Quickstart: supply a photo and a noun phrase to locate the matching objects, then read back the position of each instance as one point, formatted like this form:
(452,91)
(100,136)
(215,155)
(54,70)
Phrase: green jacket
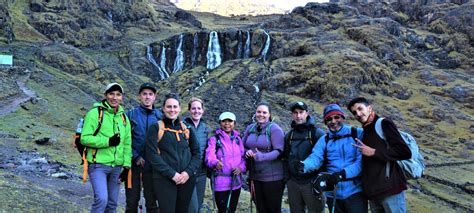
(112,123)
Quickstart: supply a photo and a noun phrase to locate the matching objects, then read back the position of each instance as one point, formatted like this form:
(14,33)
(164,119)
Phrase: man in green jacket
(107,135)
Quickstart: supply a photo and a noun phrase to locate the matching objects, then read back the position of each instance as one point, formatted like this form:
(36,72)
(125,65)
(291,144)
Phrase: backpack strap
(353,133)
(161,130)
(379,131)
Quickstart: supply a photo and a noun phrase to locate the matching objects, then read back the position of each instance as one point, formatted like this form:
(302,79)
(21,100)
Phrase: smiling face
(262,115)
(361,112)
(299,116)
(227,125)
(171,109)
(147,98)
(334,122)
(196,110)
(114,98)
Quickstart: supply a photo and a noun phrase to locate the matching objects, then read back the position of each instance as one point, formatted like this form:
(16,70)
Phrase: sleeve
(91,122)
(211,158)
(127,141)
(245,137)
(355,168)
(129,114)
(316,158)
(242,166)
(398,149)
(195,162)
(278,143)
(153,156)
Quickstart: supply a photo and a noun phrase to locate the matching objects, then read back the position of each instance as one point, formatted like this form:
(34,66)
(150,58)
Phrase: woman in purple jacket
(225,156)
(264,142)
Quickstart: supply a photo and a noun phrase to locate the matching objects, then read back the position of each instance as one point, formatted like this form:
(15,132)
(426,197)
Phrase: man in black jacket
(299,142)
(382,179)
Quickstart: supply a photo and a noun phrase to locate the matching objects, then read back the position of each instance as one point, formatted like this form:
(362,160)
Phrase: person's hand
(334,178)
(299,166)
(114,140)
(219,165)
(176,178)
(249,154)
(184,178)
(364,149)
(236,171)
(140,162)
(124,175)
(259,156)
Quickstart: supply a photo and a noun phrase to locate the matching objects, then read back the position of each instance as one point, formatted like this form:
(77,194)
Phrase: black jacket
(169,155)
(374,182)
(298,146)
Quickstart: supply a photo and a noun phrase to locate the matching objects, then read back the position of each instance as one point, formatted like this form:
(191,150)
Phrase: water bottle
(79,126)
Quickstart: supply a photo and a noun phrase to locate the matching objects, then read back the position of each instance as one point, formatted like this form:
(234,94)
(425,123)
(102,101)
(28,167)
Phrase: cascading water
(179,60)
(163,60)
(264,53)
(213,51)
(149,55)
(247,46)
(195,49)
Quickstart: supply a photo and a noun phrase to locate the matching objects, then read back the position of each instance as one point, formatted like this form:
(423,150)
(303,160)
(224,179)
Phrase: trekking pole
(230,192)
(212,191)
(140,204)
(334,200)
(251,187)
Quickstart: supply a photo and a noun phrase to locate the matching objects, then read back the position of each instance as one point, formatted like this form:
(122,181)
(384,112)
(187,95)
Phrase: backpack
(413,167)
(83,149)
(161,130)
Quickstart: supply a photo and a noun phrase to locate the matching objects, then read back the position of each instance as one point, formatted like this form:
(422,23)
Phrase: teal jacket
(120,155)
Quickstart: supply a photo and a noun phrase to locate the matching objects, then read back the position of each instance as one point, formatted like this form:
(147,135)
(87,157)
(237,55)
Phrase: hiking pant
(268,195)
(301,196)
(390,204)
(198,194)
(106,185)
(222,199)
(133,195)
(171,197)
(356,203)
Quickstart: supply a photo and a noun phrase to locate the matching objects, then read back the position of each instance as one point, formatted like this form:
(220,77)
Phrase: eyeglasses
(337,117)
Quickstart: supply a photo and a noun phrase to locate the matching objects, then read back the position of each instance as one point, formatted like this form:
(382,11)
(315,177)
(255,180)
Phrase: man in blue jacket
(141,118)
(343,162)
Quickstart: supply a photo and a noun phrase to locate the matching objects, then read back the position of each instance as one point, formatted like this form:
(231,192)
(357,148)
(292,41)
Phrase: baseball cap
(227,115)
(299,105)
(147,86)
(113,87)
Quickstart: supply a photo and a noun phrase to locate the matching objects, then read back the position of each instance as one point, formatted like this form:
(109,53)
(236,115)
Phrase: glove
(334,178)
(114,140)
(299,166)
(124,175)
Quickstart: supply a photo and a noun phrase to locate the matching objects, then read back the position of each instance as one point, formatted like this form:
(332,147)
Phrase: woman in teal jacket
(109,149)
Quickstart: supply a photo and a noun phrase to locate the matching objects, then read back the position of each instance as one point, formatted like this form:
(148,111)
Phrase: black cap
(299,105)
(147,86)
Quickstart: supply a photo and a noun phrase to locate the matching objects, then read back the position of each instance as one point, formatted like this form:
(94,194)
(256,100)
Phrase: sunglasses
(336,117)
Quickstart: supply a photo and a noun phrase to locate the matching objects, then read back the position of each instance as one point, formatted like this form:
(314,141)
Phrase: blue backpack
(413,167)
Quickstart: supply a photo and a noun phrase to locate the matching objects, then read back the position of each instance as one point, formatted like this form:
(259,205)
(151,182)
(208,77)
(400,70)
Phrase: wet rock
(43,141)
(60,175)
(38,161)
(26,168)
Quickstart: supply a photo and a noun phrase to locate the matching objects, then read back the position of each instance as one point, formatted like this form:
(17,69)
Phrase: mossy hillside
(22,30)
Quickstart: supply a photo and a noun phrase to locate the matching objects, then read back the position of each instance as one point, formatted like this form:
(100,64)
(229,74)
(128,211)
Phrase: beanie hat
(332,109)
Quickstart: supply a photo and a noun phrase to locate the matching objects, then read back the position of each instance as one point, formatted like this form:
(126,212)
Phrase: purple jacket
(231,153)
(267,165)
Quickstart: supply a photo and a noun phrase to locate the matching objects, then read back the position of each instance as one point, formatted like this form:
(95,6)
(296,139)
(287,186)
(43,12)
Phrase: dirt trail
(12,103)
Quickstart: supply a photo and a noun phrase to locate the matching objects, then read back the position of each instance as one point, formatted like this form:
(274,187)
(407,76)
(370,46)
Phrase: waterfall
(163,59)
(264,53)
(179,60)
(247,46)
(239,44)
(149,56)
(195,49)
(213,51)
(110,16)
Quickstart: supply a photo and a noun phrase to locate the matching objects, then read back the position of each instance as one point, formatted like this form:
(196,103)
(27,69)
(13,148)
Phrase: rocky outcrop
(67,58)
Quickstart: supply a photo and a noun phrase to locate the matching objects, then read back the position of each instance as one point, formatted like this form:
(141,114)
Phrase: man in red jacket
(382,179)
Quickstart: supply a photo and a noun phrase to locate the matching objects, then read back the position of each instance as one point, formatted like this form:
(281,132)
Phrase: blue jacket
(341,155)
(202,132)
(141,119)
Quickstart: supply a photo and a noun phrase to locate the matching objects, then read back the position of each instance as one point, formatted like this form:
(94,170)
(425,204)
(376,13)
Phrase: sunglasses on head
(337,117)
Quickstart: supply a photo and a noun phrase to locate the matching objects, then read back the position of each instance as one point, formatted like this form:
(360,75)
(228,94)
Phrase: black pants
(171,197)
(268,196)
(133,194)
(356,203)
(222,198)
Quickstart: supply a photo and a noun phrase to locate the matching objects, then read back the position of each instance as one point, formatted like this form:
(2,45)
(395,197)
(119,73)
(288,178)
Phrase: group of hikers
(171,158)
